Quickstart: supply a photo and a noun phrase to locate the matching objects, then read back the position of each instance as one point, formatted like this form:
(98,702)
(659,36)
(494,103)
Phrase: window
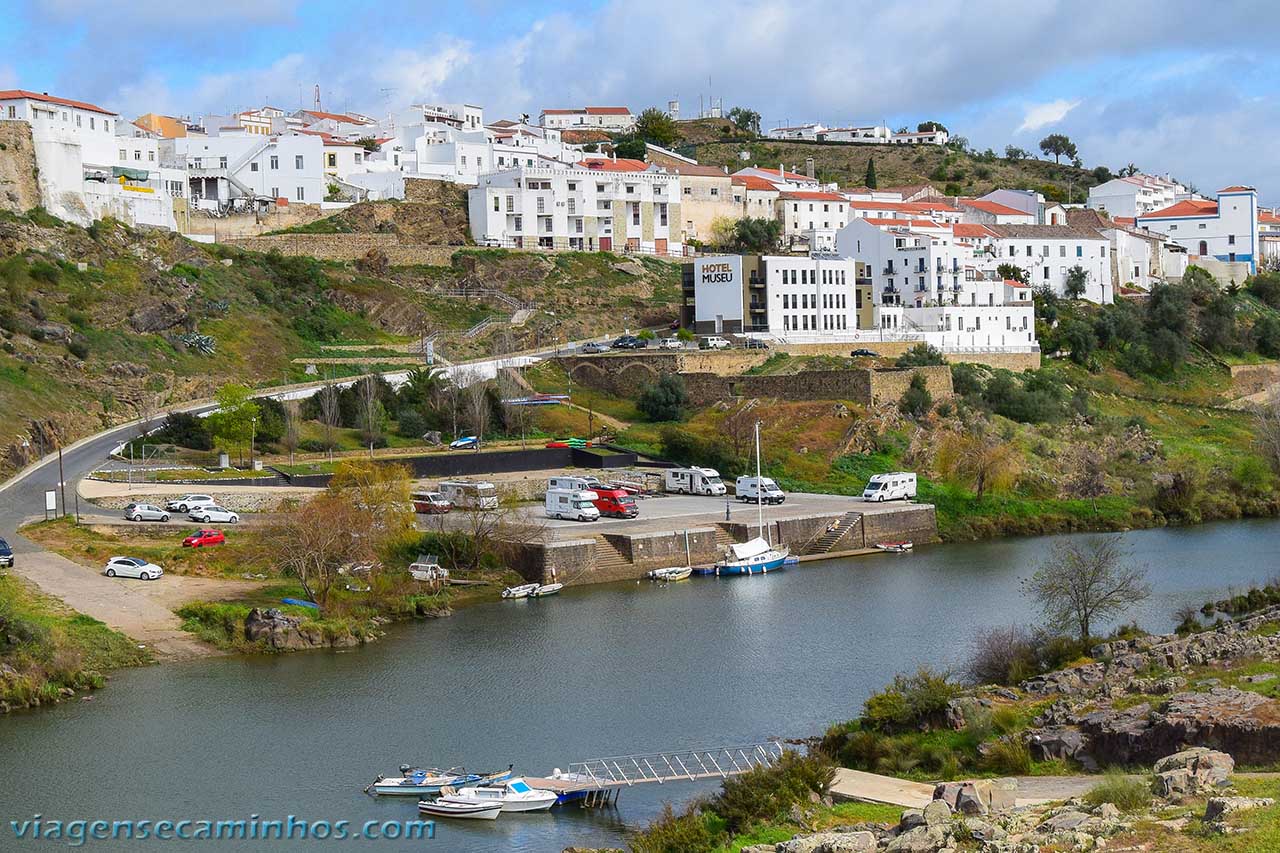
(511,204)
(1046,273)
(253,167)
(137,155)
(1231,239)
(302,194)
(573,186)
(124,155)
(275,162)
(1202,226)
(662,214)
(359,157)
(275,192)
(1062,250)
(222,162)
(297,161)
(688,190)
(542,204)
(518,223)
(198,163)
(151,156)
(599,188)
(631,189)
(331,160)
(78,117)
(13,112)
(1079,251)
(91,122)
(715,191)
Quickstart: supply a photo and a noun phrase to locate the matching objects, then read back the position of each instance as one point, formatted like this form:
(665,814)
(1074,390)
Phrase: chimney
(808,167)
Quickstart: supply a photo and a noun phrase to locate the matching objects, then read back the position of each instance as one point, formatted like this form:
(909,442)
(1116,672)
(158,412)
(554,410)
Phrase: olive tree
(1082,582)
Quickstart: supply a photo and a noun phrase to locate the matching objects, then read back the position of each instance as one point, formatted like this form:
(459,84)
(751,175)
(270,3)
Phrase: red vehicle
(201,538)
(615,503)
(431,503)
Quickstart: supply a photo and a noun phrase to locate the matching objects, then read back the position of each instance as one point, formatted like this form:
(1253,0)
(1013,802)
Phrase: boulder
(285,633)
(911,819)
(980,830)
(157,317)
(1193,771)
(1057,742)
(827,842)
(937,813)
(52,332)
(1068,821)
(1219,808)
(978,797)
(923,839)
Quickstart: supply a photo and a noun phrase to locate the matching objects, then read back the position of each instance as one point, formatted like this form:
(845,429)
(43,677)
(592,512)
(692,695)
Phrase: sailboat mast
(759,488)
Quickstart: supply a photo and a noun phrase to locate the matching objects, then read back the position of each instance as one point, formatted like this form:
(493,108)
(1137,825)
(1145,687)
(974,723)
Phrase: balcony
(889,270)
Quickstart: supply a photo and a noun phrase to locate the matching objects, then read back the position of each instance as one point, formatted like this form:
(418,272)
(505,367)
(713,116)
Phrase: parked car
(673,325)
(670,343)
(133,567)
(715,342)
(431,503)
(593,347)
(145,512)
(203,538)
(467,442)
(864,353)
(206,514)
(756,343)
(6,554)
(628,342)
(188,502)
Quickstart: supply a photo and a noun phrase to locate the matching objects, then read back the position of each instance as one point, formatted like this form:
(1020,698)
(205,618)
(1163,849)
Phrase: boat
(515,795)
(675,573)
(522,591)
(546,589)
(894,547)
(449,808)
(416,782)
(756,556)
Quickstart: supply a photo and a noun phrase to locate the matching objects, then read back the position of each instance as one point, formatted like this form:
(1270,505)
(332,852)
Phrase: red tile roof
(697,170)
(880,205)
(790,176)
(622,164)
(814,196)
(608,111)
(1009,282)
(13,94)
(1268,216)
(327,138)
(1125,220)
(335,117)
(992,207)
(1186,207)
(560,112)
(1236,189)
(965,229)
(754,182)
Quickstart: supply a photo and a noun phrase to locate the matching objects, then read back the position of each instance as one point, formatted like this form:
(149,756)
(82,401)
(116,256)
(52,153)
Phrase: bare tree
(1081,582)
(476,401)
(371,411)
(739,429)
(311,543)
(290,437)
(1266,431)
(327,397)
(489,531)
(1001,656)
(978,458)
(1088,478)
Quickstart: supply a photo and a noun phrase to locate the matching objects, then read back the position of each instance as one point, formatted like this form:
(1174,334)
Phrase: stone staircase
(608,558)
(832,537)
(723,539)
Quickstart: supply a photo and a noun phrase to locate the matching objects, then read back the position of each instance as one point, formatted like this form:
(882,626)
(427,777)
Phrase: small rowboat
(449,808)
(522,591)
(894,547)
(676,573)
(546,589)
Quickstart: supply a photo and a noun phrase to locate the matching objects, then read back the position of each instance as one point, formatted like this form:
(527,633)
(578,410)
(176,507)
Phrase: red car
(201,538)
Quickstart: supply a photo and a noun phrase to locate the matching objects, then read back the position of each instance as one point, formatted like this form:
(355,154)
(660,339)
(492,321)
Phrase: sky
(1183,88)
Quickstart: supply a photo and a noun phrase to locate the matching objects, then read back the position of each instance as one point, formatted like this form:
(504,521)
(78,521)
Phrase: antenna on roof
(317,106)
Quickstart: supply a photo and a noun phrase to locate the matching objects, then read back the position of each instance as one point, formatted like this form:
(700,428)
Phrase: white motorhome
(573,482)
(470,495)
(900,485)
(573,504)
(759,490)
(694,481)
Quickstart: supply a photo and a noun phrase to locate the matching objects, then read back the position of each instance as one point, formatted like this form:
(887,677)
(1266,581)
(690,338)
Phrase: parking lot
(668,512)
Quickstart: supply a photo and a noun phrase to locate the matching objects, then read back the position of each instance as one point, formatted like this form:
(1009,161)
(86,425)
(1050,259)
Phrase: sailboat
(757,556)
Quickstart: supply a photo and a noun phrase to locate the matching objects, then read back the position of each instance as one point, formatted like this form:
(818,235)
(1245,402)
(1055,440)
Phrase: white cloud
(1039,115)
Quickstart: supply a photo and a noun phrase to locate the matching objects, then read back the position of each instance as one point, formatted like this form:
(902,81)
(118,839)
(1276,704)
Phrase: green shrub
(672,833)
(911,701)
(1009,756)
(664,400)
(1126,794)
(79,347)
(920,355)
(916,400)
(767,793)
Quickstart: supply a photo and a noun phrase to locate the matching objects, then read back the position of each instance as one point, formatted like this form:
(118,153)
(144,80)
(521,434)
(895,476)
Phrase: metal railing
(685,765)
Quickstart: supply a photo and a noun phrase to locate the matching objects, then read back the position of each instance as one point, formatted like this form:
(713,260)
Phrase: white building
(608,119)
(921,137)
(1136,195)
(1214,233)
(800,131)
(600,204)
(812,218)
(782,179)
(1048,253)
(910,262)
(984,212)
(91,163)
(873,134)
(782,296)
(233,169)
(469,117)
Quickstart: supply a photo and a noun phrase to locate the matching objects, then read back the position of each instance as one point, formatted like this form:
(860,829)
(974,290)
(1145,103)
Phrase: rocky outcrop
(1192,772)
(157,317)
(978,797)
(286,633)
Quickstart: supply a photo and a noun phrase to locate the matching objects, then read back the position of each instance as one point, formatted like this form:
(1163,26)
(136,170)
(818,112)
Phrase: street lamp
(253,433)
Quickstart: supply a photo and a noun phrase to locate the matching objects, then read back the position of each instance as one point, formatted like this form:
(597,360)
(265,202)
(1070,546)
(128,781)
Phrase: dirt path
(141,609)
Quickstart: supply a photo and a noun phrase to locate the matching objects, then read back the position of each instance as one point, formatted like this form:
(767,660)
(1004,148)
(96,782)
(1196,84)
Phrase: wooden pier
(598,782)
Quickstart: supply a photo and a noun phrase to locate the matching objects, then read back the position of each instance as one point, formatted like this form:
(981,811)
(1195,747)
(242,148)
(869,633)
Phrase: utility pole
(62,481)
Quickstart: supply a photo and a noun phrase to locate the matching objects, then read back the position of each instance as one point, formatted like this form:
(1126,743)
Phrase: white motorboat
(522,591)
(414,782)
(471,809)
(894,547)
(546,589)
(675,573)
(513,796)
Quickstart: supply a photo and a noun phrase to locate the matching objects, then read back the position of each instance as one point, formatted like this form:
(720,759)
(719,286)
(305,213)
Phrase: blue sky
(1175,87)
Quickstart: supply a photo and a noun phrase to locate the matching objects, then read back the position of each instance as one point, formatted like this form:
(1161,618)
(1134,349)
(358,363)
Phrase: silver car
(145,512)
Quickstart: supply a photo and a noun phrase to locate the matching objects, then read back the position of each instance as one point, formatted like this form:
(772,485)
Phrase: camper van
(694,481)
(616,503)
(759,490)
(900,485)
(573,482)
(573,504)
(469,495)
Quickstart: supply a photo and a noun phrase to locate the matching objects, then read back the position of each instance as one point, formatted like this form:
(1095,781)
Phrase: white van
(573,504)
(575,482)
(694,481)
(759,490)
(470,495)
(900,485)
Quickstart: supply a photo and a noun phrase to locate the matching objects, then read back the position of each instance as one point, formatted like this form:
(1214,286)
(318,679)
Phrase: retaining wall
(349,247)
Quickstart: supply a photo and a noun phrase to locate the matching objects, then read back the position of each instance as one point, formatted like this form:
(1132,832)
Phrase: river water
(596,671)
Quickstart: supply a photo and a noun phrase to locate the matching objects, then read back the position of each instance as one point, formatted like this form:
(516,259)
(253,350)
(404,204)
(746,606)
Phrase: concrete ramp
(874,788)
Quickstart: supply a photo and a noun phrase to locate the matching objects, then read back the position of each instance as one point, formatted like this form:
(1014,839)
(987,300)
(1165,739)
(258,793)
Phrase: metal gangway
(599,780)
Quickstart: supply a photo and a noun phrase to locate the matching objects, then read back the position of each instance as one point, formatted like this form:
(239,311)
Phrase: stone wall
(1254,378)
(349,247)
(889,385)
(915,522)
(659,550)
(19,187)
(1015,361)
(225,228)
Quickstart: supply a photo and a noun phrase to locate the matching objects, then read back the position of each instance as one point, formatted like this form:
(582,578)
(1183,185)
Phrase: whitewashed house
(1047,253)
(1135,195)
(608,119)
(240,169)
(1220,235)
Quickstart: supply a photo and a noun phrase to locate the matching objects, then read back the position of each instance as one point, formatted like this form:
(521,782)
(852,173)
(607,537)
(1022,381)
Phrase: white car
(212,513)
(189,502)
(717,343)
(670,343)
(133,567)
